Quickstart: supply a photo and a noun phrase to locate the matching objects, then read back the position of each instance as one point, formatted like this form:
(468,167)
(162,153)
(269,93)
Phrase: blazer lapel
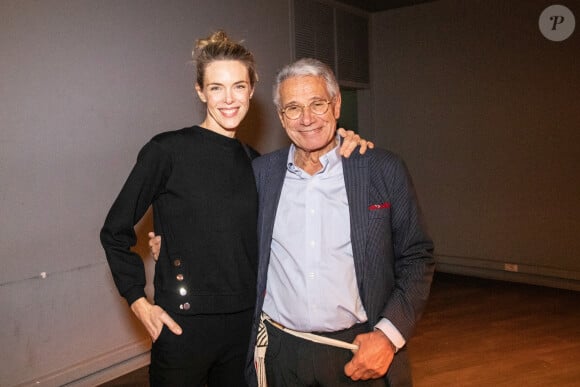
(276,173)
(356,182)
(269,199)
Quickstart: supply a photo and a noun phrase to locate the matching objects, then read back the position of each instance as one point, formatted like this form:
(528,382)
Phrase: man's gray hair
(302,68)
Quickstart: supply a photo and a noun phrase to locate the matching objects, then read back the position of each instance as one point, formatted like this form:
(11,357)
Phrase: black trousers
(292,361)
(211,351)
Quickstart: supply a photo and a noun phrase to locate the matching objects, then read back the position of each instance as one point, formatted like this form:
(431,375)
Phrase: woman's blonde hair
(218,46)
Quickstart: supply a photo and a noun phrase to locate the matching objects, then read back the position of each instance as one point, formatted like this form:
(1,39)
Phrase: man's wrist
(394,335)
(393,346)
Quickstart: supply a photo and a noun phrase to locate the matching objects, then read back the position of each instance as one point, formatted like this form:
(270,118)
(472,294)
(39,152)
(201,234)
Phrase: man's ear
(200,93)
(281,117)
(337,104)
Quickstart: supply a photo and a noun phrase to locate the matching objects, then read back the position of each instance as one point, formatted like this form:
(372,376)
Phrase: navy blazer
(392,252)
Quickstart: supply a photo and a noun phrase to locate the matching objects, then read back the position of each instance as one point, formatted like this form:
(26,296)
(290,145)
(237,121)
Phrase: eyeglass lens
(317,107)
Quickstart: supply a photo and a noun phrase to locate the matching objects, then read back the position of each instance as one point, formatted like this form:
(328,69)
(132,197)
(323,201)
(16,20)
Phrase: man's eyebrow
(313,99)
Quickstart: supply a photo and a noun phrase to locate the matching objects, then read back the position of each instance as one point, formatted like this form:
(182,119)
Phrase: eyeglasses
(294,112)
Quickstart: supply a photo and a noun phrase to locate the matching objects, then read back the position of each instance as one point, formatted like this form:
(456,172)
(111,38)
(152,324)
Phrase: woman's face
(227,92)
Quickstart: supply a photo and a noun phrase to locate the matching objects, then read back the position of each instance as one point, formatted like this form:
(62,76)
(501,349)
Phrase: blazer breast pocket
(379,210)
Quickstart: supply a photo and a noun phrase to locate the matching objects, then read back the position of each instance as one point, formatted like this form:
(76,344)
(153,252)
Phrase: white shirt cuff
(391,332)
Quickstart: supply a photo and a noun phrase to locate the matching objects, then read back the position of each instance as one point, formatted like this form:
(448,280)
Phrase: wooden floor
(489,333)
(479,332)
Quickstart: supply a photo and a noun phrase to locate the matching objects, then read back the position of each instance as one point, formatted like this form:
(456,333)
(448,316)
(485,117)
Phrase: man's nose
(307,117)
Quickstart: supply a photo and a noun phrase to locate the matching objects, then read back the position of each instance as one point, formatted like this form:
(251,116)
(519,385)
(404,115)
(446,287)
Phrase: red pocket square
(379,206)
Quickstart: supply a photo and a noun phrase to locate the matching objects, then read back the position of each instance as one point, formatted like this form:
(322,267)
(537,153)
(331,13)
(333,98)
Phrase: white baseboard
(98,370)
(509,271)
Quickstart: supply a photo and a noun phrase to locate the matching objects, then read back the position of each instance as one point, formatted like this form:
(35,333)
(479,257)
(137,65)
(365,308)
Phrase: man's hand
(351,141)
(373,358)
(153,318)
(154,244)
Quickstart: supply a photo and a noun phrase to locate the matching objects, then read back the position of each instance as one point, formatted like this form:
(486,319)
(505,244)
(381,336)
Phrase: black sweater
(203,193)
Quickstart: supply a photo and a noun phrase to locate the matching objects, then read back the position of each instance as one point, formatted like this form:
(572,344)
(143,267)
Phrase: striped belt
(314,337)
(262,344)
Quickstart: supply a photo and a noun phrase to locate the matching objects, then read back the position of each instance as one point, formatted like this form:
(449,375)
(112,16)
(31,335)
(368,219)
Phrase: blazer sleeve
(413,254)
(144,184)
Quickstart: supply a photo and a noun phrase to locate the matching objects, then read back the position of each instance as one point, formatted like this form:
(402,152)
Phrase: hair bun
(216,38)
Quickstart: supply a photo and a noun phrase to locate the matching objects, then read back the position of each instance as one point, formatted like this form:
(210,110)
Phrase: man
(342,249)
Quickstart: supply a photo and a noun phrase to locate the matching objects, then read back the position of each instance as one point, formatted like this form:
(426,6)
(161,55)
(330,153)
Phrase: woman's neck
(206,124)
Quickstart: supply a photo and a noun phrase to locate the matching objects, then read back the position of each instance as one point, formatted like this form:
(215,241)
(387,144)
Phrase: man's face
(310,132)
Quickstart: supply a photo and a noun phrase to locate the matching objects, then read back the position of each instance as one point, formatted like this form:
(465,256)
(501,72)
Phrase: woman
(200,183)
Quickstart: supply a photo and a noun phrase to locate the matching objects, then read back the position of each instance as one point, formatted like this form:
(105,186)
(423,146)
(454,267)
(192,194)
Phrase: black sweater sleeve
(143,186)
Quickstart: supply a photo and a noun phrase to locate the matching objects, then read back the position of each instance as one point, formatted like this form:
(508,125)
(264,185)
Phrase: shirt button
(312,243)
(185,306)
(179,277)
(182,291)
(177,262)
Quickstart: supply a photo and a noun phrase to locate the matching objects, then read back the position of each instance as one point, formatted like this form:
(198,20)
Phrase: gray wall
(486,111)
(84,84)
(482,107)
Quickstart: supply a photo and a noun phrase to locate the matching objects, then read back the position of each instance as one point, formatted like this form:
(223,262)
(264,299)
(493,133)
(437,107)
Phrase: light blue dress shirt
(312,285)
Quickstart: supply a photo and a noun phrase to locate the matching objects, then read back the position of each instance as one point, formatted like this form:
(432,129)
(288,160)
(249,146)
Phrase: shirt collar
(329,160)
